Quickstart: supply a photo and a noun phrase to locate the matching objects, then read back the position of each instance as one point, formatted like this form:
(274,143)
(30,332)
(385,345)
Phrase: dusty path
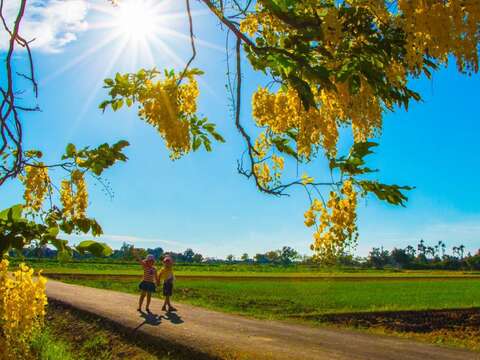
(217,335)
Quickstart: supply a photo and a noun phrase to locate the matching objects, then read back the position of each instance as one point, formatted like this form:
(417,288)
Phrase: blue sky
(201,201)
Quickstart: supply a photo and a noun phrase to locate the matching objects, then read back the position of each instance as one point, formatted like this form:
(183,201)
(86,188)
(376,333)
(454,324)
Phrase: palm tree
(410,250)
(430,250)
(455,251)
(442,246)
(421,247)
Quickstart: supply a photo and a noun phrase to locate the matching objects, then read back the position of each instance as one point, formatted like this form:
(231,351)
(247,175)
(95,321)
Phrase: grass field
(296,298)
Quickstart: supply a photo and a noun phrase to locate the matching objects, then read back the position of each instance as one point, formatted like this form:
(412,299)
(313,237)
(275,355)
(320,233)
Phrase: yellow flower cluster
(283,111)
(22,309)
(335,221)
(306,179)
(166,105)
(278,164)
(262,171)
(37,185)
(74,203)
(268,24)
(363,109)
(250,24)
(439,28)
(265,172)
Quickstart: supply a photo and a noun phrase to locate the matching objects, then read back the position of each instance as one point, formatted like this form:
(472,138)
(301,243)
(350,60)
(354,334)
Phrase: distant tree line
(284,256)
(424,256)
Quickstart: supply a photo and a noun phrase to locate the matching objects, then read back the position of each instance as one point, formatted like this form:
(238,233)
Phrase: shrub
(22,309)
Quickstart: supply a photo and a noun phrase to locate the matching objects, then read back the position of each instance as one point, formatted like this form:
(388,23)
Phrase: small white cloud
(134,239)
(51,24)
(116,240)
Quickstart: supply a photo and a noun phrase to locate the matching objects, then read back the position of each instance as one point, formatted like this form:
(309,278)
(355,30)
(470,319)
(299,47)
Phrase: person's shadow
(150,319)
(173,318)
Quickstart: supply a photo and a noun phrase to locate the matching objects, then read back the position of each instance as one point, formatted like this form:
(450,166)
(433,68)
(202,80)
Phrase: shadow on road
(173,318)
(155,320)
(150,319)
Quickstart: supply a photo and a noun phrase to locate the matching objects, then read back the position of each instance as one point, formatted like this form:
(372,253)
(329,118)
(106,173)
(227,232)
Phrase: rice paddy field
(299,298)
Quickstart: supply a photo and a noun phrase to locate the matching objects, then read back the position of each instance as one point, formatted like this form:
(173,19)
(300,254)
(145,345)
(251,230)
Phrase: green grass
(73,335)
(297,298)
(47,347)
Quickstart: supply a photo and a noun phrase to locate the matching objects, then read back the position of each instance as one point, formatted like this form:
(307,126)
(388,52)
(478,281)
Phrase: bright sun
(136,19)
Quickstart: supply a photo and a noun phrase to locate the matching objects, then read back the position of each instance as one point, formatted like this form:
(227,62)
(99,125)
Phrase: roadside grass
(339,303)
(71,335)
(46,347)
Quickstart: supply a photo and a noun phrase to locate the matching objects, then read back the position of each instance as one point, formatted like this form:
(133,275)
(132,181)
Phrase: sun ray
(87,104)
(167,31)
(79,59)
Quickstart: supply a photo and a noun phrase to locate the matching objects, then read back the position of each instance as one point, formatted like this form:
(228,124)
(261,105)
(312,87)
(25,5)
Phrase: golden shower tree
(331,64)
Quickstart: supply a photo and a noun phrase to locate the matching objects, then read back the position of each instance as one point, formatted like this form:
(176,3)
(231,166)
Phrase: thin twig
(192,42)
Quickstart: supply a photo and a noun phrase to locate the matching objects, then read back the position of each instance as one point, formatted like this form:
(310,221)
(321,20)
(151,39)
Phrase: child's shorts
(147,286)
(168,288)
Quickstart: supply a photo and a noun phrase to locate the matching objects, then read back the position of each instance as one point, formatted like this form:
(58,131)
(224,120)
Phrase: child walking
(147,286)
(167,274)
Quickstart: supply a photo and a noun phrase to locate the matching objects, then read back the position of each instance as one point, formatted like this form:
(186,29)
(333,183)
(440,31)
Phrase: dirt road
(210,334)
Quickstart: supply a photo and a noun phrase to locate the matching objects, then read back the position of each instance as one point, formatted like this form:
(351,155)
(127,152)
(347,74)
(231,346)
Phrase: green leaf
(218,137)
(96,228)
(70,150)
(83,225)
(207,145)
(103,105)
(117,105)
(12,213)
(94,248)
(282,145)
(389,193)
(304,91)
(108,82)
(67,227)
(52,232)
(196,143)
(362,149)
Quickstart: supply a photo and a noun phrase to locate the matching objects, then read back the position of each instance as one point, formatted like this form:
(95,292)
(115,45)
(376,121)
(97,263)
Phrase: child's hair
(167,260)
(150,257)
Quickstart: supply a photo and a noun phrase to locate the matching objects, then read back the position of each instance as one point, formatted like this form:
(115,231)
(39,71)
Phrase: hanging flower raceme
(439,28)
(167,103)
(37,185)
(74,203)
(335,223)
